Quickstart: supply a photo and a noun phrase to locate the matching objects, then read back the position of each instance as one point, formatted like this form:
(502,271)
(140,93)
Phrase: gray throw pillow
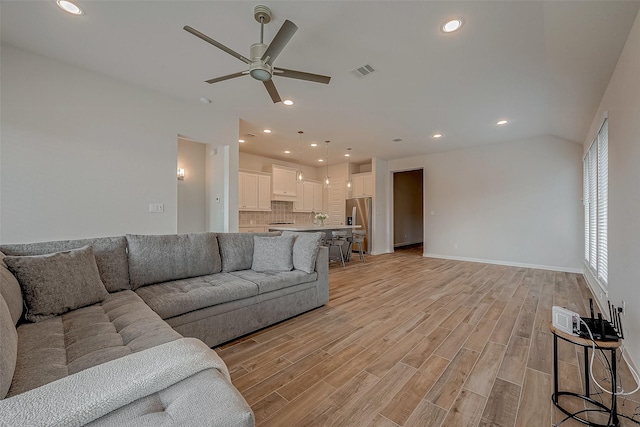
(272,253)
(8,348)
(305,249)
(55,283)
(236,250)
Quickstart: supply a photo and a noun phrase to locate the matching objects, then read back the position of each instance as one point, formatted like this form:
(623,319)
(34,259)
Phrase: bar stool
(337,239)
(357,237)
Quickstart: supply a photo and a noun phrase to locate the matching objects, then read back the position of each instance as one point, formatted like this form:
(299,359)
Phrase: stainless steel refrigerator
(359,212)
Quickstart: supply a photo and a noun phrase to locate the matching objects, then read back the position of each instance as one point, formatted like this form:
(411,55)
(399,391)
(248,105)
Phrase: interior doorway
(408,209)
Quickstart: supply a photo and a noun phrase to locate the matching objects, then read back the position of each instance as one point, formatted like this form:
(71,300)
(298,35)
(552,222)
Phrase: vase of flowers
(321,218)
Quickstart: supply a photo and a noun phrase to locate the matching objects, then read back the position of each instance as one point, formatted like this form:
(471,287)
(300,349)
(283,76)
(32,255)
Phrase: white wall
(83,155)
(622,101)
(192,208)
(511,203)
(382,241)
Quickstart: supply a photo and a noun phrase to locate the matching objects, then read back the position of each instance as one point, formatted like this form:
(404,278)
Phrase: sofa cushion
(305,249)
(55,283)
(236,250)
(272,253)
(54,348)
(10,291)
(177,297)
(156,259)
(110,253)
(8,348)
(272,281)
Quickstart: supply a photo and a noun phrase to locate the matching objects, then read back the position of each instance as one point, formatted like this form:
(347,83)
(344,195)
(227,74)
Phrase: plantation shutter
(596,205)
(603,200)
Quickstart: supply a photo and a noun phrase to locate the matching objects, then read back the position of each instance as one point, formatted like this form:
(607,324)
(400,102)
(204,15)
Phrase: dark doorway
(408,208)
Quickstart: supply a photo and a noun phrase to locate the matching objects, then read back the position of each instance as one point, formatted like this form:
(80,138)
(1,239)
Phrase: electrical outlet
(455,246)
(624,306)
(156,207)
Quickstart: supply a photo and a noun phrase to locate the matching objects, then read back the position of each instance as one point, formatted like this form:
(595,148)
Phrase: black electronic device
(601,329)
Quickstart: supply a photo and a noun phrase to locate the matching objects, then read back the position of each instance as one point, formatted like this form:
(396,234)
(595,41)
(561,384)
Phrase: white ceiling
(543,65)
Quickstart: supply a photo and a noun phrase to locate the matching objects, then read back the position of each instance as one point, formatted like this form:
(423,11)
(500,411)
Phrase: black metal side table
(586,344)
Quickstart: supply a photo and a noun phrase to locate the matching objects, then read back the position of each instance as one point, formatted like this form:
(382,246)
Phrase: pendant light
(299,176)
(349,169)
(327,182)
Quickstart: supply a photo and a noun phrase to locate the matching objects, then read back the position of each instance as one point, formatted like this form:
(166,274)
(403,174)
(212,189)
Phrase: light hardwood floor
(413,341)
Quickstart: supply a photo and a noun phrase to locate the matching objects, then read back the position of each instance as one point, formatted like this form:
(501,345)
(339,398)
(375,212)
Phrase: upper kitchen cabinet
(309,197)
(363,185)
(254,194)
(283,184)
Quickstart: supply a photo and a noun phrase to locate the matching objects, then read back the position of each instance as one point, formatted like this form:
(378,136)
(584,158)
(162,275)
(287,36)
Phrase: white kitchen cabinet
(254,192)
(264,192)
(336,203)
(309,197)
(318,191)
(283,183)
(362,185)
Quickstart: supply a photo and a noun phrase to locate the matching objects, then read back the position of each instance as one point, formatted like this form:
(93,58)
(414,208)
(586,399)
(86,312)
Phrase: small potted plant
(321,218)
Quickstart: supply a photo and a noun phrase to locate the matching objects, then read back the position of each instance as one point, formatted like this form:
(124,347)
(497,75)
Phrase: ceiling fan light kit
(262,56)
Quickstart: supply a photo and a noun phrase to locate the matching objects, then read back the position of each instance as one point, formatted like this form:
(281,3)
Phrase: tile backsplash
(280,212)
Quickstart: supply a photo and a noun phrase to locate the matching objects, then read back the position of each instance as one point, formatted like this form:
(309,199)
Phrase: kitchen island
(311,227)
(328,229)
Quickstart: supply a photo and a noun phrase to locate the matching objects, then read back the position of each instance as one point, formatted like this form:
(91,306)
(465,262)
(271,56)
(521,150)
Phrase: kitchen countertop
(311,227)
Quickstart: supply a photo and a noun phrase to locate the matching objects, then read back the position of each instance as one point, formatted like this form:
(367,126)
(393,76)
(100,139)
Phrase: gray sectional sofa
(117,331)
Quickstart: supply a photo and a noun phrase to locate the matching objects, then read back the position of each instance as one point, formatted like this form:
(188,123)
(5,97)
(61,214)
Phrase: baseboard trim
(507,263)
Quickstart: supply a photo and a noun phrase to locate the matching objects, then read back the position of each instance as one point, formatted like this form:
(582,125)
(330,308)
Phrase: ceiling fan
(262,56)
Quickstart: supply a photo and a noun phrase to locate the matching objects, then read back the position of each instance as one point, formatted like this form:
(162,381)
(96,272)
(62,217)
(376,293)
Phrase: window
(596,193)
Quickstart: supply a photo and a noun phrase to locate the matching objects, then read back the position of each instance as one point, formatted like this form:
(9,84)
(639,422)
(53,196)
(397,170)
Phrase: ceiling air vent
(363,71)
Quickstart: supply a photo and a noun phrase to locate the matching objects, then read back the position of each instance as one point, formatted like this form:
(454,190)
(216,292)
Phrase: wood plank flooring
(413,341)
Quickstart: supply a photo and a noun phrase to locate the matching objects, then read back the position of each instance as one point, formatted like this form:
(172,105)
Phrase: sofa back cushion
(161,258)
(272,253)
(10,291)
(8,348)
(53,284)
(305,249)
(110,254)
(236,250)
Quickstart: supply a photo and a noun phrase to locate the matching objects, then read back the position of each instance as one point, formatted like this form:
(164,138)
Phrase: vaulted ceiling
(541,65)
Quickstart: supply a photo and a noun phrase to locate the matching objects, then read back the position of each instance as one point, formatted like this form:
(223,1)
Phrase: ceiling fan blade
(216,44)
(281,39)
(301,75)
(273,92)
(227,77)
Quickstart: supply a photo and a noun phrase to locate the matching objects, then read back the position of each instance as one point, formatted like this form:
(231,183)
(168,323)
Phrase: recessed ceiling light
(347,155)
(69,7)
(397,139)
(288,102)
(314,145)
(452,25)
(321,160)
(241,140)
(502,122)
(205,100)
(287,152)
(267,131)
(437,135)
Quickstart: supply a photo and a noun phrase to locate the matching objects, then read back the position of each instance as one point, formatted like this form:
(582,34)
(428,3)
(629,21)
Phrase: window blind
(596,205)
